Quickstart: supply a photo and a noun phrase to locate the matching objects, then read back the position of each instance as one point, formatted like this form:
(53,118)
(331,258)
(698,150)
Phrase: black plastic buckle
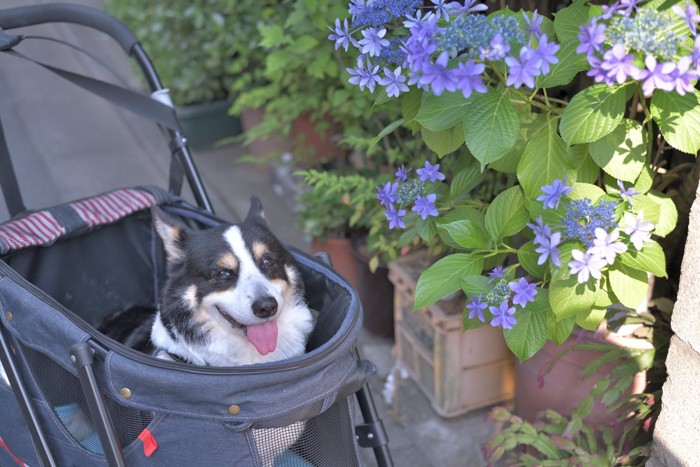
(371,435)
(8,41)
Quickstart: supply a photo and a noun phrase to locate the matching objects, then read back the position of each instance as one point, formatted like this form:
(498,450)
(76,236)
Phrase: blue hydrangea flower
(524,70)
(394,81)
(524,292)
(534,23)
(341,35)
(438,76)
(541,230)
(591,38)
(619,64)
(365,75)
(412,21)
(548,248)
(476,308)
(627,193)
(546,53)
(387,194)
(552,193)
(498,48)
(395,217)
(373,41)
(458,10)
(638,229)
(468,77)
(425,206)
(402,173)
(430,173)
(442,10)
(503,316)
(496,273)
(586,265)
(657,76)
(606,246)
(684,76)
(689,14)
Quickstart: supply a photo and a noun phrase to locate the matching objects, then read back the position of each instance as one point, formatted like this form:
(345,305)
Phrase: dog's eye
(267,261)
(223,274)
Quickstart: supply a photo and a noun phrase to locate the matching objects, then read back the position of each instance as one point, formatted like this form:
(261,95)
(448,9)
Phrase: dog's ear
(171,231)
(255,213)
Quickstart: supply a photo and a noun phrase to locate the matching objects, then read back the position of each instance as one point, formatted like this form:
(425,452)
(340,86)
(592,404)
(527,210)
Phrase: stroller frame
(370,434)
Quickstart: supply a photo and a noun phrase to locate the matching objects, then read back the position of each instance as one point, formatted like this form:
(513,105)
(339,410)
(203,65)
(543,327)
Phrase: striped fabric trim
(39,228)
(109,207)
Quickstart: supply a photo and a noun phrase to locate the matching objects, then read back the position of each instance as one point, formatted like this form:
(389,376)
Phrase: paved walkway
(67,145)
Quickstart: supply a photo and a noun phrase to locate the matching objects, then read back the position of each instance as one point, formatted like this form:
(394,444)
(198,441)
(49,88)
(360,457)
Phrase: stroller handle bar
(69,13)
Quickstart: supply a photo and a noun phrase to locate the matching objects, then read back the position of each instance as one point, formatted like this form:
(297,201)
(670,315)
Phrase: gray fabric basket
(52,296)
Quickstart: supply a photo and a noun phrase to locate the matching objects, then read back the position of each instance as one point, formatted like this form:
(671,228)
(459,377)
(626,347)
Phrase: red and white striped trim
(38,228)
(109,207)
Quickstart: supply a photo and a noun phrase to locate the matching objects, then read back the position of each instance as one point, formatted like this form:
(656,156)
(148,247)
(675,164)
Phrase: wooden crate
(458,370)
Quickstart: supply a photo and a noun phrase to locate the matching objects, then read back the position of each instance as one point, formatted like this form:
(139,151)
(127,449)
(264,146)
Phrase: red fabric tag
(149,442)
(17,459)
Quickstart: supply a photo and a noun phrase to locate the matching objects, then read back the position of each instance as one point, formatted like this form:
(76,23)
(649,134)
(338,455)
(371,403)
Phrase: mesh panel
(64,395)
(325,440)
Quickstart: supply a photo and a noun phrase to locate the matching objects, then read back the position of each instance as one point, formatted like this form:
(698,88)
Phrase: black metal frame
(371,434)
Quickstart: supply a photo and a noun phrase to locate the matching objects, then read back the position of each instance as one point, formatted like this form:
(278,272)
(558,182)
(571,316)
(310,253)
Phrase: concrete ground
(67,144)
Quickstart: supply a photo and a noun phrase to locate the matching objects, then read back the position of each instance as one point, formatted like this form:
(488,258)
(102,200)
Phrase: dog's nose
(265,307)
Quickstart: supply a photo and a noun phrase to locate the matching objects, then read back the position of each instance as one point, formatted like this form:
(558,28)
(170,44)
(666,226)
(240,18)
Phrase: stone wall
(677,433)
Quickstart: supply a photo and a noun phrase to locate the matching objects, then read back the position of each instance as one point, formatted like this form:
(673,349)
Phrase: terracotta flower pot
(340,251)
(250,118)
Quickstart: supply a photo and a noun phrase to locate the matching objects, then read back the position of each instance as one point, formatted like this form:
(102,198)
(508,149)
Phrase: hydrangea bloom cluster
(640,43)
(595,228)
(446,47)
(502,299)
(399,194)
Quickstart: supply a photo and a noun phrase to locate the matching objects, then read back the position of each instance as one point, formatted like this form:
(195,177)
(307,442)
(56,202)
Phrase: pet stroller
(70,395)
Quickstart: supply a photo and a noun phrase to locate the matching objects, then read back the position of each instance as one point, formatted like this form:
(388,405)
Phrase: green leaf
(530,124)
(506,215)
(305,43)
(591,320)
(545,158)
(528,260)
(445,277)
(568,298)
(442,112)
(466,179)
(277,60)
(426,229)
(385,132)
(648,207)
(628,284)
(530,332)
(645,179)
(650,258)
(668,214)
(559,331)
(593,113)
(678,118)
(475,285)
(569,65)
(491,126)
(272,35)
(443,142)
(410,105)
(586,190)
(465,233)
(622,153)
(568,21)
(587,171)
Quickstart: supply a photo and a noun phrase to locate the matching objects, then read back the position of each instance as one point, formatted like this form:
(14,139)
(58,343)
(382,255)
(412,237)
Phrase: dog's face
(232,283)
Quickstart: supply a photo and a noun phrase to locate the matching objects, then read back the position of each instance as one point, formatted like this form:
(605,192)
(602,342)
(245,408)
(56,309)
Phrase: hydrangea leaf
(587,171)
(545,158)
(678,118)
(474,285)
(442,112)
(590,320)
(491,126)
(569,65)
(528,260)
(668,214)
(558,331)
(530,333)
(567,21)
(530,124)
(568,298)
(648,206)
(593,113)
(445,277)
(628,284)
(465,180)
(622,153)
(586,190)
(466,232)
(645,179)
(507,214)
(443,142)
(650,258)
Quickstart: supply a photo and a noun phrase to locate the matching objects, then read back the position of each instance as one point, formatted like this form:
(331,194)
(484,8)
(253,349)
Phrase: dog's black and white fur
(233,296)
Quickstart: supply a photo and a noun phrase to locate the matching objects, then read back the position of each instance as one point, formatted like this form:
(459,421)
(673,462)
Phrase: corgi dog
(233,295)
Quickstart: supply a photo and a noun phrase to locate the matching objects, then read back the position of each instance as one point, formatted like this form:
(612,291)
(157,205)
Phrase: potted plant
(192,45)
(589,119)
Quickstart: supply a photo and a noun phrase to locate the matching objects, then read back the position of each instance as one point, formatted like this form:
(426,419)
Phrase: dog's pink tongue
(263,336)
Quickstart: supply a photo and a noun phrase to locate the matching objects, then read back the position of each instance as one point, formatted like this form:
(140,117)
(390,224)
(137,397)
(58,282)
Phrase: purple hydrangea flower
(586,265)
(606,246)
(534,24)
(394,81)
(438,76)
(476,308)
(542,231)
(498,48)
(546,53)
(657,76)
(627,193)
(468,77)
(442,9)
(430,173)
(402,173)
(355,7)
(496,273)
(373,41)
(412,21)
(395,217)
(503,316)
(689,14)
(638,229)
(524,292)
(684,76)
(591,38)
(457,9)
(341,35)
(387,194)
(365,75)
(619,64)
(597,72)
(425,206)
(552,193)
(523,71)
(548,248)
